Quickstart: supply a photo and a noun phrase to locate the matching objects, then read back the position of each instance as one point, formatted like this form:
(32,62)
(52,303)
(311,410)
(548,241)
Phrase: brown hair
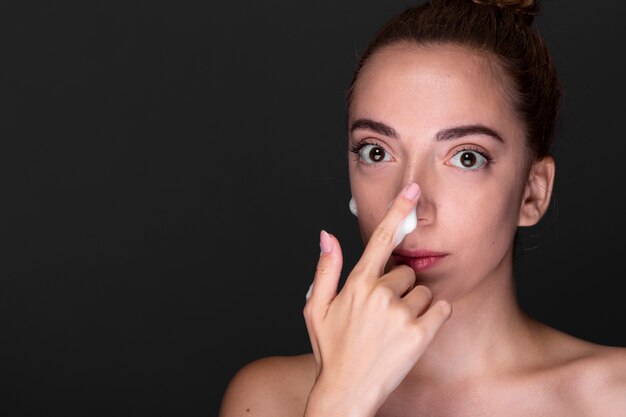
(502,28)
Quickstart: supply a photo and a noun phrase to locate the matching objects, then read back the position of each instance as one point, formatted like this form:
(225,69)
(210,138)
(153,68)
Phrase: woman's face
(440,116)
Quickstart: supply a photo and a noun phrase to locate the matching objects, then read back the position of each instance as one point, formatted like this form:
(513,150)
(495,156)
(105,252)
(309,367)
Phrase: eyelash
(481,152)
(485,154)
(356,149)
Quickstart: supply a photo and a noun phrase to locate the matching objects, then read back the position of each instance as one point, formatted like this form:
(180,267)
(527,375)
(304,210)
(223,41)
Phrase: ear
(537,192)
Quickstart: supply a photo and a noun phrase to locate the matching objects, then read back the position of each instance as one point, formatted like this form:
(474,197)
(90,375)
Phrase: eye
(371,153)
(469,159)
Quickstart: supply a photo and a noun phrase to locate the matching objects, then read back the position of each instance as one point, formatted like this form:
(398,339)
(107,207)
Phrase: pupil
(377,154)
(468,159)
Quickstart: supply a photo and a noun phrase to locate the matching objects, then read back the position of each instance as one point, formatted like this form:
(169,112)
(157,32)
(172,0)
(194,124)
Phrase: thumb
(327,274)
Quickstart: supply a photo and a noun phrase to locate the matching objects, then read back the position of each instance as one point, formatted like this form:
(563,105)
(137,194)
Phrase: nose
(426,204)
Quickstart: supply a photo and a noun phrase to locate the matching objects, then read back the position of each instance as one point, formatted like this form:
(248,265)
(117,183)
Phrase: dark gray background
(166,168)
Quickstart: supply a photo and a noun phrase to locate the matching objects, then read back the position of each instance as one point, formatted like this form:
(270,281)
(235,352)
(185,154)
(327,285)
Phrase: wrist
(328,399)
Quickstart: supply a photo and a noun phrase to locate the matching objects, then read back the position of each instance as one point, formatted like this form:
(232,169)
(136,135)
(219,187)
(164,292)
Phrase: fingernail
(446,307)
(411,191)
(309,292)
(326,243)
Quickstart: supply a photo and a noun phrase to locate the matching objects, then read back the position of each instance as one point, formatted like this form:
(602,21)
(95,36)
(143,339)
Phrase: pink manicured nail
(411,191)
(326,243)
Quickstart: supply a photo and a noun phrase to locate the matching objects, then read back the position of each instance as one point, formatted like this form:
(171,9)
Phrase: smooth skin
(448,340)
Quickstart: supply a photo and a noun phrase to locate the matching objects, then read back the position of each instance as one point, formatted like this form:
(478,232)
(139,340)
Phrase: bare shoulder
(601,381)
(274,386)
(592,377)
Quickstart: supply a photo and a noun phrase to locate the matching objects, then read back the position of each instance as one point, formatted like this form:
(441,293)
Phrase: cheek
(478,212)
(373,211)
(373,193)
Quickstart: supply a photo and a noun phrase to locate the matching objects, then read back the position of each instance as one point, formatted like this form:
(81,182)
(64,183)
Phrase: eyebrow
(377,127)
(442,135)
(460,131)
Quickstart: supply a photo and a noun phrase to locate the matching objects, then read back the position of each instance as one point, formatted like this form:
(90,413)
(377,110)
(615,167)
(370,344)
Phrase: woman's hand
(368,337)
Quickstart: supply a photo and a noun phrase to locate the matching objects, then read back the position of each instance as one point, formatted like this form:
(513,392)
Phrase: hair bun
(525,9)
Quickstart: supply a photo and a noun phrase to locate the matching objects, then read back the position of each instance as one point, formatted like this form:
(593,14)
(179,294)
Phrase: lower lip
(419,264)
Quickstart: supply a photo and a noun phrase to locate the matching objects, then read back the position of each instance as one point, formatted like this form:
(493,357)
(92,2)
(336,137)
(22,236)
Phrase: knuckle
(406,315)
(322,268)
(382,295)
(308,311)
(358,288)
(405,270)
(358,270)
(383,234)
(419,333)
(426,292)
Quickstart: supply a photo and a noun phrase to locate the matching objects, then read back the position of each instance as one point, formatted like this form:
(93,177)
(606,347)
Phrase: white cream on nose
(407,226)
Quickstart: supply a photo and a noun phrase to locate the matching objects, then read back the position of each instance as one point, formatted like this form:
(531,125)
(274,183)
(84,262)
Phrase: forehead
(434,85)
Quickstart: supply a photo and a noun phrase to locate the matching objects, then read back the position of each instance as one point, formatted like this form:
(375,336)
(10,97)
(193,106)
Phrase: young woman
(451,112)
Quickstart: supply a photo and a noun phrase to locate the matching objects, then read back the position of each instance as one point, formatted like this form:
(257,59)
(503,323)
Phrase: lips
(418,259)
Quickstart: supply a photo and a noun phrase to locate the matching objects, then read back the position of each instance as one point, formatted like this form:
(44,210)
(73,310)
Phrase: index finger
(387,235)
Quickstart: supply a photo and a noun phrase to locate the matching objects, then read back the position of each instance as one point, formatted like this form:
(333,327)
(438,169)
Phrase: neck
(487,333)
